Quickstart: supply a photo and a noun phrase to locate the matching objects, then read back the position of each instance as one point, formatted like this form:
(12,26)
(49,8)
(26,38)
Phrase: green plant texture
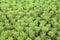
(29,19)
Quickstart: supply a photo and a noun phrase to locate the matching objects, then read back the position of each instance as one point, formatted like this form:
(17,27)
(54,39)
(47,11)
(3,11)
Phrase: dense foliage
(29,19)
